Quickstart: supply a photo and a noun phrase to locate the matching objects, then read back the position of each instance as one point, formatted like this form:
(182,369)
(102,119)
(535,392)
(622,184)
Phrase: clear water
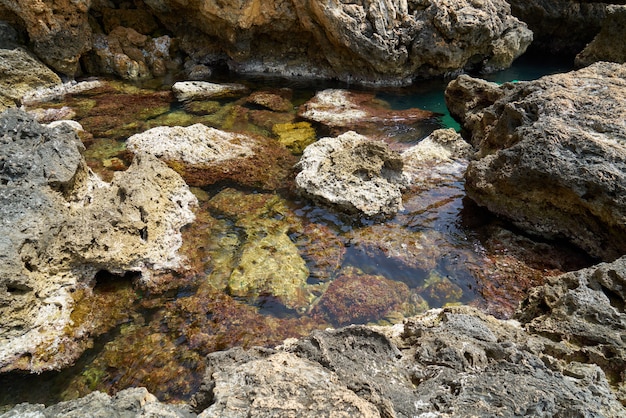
(441,249)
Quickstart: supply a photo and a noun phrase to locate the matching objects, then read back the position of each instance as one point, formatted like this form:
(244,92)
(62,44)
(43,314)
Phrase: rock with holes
(60,225)
(354,174)
(552,153)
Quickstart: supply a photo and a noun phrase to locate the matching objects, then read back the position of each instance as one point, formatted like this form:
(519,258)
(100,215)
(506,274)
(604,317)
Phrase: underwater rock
(203,90)
(295,136)
(61,225)
(357,298)
(276,100)
(204,156)
(605,46)
(552,154)
(354,174)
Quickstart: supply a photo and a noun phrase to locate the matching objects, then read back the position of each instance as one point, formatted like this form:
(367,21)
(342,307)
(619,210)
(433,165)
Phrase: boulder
(354,174)
(61,225)
(380,42)
(203,90)
(606,45)
(204,156)
(552,153)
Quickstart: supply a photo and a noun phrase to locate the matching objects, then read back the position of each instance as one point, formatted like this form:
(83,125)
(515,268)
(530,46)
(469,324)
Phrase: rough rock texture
(353,173)
(606,46)
(204,156)
(60,225)
(561,26)
(203,90)
(552,153)
(380,42)
(129,403)
(583,315)
(21,73)
(58,30)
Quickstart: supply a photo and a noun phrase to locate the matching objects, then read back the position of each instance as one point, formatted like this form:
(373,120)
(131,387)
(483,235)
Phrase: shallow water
(441,249)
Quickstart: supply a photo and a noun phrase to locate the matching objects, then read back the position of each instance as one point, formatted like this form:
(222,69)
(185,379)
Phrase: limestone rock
(126,403)
(606,45)
(60,225)
(354,174)
(59,34)
(203,155)
(552,154)
(203,90)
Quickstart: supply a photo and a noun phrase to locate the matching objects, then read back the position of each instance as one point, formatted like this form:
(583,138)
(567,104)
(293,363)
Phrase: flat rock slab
(203,90)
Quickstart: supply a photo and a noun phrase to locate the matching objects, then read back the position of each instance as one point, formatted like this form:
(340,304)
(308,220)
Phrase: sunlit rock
(354,174)
(203,90)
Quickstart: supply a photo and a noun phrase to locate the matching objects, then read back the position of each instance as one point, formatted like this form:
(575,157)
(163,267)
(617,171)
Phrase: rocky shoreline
(548,155)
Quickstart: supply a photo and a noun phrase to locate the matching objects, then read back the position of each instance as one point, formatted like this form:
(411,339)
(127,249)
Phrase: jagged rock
(561,26)
(552,154)
(203,90)
(583,315)
(454,362)
(204,156)
(61,225)
(135,402)
(20,74)
(59,34)
(353,173)
(380,42)
(606,45)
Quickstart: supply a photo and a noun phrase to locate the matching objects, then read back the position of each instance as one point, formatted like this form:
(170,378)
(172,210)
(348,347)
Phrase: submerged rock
(552,154)
(61,225)
(353,173)
(204,156)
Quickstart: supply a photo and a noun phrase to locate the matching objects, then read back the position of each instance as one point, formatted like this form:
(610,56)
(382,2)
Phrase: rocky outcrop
(61,225)
(354,174)
(605,46)
(552,153)
(560,26)
(58,31)
(204,156)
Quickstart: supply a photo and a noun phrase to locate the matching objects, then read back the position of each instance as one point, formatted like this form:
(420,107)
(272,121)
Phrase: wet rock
(295,136)
(353,173)
(59,35)
(204,156)
(278,101)
(551,155)
(127,403)
(604,46)
(583,315)
(203,90)
(357,298)
(61,225)
(343,110)
(455,361)
(21,73)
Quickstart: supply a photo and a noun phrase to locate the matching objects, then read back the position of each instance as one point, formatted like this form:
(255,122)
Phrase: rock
(204,156)
(604,46)
(61,225)
(203,90)
(354,174)
(20,74)
(560,26)
(552,154)
(278,101)
(59,35)
(379,42)
(127,403)
(455,362)
(582,314)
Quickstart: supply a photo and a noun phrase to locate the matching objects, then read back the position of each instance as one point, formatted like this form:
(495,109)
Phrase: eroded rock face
(61,225)
(552,153)
(353,173)
(605,46)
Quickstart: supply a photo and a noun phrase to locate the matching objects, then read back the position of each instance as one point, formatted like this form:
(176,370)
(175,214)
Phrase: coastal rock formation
(61,225)
(605,46)
(354,174)
(204,156)
(552,153)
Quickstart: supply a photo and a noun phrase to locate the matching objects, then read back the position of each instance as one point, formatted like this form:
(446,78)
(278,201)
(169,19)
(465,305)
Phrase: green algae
(295,136)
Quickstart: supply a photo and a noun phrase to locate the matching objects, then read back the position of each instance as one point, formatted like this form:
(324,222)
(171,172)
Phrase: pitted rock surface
(552,153)
(354,174)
